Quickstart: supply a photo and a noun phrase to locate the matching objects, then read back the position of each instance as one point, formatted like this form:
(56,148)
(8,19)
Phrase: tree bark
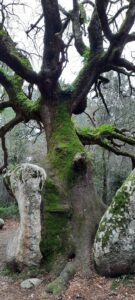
(71,210)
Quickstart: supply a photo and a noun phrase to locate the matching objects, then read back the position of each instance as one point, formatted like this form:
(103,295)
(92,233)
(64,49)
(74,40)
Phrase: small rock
(30,283)
(1,223)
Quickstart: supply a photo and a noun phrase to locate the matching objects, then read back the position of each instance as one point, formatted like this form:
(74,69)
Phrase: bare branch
(127,24)
(90,118)
(101,96)
(35,24)
(5,104)
(118,13)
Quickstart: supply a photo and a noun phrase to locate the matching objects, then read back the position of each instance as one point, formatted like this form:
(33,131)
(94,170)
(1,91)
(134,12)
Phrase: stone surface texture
(1,223)
(30,283)
(114,246)
(26,183)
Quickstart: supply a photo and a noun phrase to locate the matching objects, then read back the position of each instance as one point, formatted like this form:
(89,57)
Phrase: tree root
(58,285)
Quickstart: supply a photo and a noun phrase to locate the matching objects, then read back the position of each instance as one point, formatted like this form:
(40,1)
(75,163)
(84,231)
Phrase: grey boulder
(114,246)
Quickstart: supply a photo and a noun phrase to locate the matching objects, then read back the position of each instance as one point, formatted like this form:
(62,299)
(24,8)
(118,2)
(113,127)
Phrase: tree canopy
(99,32)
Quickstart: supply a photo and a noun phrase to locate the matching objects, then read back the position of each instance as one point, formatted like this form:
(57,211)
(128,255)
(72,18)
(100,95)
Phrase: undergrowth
(8,211)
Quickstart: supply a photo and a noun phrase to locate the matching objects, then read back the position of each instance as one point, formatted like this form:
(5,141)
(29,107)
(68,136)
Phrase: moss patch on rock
(117,215)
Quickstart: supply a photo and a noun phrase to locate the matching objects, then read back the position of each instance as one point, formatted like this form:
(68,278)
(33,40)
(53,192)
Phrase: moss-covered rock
(114,246)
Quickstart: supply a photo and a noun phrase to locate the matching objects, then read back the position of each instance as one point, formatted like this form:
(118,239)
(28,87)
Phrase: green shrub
(9,211)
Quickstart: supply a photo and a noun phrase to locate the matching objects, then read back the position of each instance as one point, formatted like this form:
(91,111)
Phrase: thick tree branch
(15,60)
(130,38)
(119,39)
(95,33)
(86,78)
(105,138)
(17,98)
(10,125)
(101,9)
(126,64)
(53,27)
(127,24)
(79,44)
(121,70)
(5,104)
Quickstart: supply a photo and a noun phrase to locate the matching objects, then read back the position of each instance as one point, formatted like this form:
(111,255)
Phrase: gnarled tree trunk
(71,208)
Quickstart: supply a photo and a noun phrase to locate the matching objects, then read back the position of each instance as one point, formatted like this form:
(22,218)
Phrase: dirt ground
(96,288)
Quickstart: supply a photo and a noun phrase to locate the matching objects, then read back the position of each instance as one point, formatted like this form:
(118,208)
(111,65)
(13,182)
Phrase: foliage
(9,211)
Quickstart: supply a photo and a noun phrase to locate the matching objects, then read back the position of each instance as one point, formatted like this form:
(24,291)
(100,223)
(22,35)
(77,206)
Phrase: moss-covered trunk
(71,210)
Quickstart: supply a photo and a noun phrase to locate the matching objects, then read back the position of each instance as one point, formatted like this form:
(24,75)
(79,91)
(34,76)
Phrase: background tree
(71,208)
(110,170)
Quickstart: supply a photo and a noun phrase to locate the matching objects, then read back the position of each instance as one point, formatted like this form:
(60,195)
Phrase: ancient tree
(71,210)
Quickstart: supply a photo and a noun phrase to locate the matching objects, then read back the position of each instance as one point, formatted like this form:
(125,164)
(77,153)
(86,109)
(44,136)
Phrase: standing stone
(26,183)
(114,246)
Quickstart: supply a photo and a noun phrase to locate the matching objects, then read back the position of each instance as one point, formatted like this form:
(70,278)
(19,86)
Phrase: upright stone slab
(114,246)
(26,183)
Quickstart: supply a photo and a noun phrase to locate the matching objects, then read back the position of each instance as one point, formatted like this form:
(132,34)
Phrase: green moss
(118,212)
(25,61)
(81,74)
(20,98)
(2,33)
(11,47)
(119,202)
(14,89)
(17,96)
(86,55)
(55,287)
(51,195)
(9,211)
(105,128)
(56,228)
(83,16)
(64,146)
(106,237)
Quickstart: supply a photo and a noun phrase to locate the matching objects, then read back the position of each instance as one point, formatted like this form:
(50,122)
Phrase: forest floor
(96,288)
